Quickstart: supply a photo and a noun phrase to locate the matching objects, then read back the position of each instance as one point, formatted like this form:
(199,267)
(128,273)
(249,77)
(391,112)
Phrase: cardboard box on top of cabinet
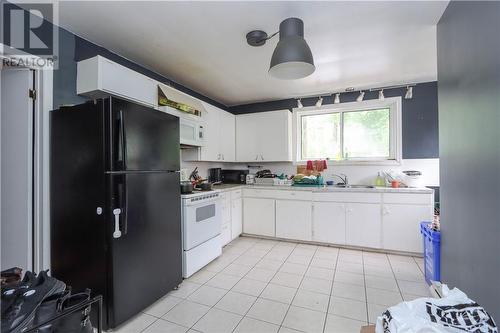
(368,329)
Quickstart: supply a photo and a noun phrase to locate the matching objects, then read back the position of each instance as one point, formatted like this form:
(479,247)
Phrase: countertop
(421,190)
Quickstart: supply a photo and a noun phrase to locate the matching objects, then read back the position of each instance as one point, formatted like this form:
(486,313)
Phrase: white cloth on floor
(454,313)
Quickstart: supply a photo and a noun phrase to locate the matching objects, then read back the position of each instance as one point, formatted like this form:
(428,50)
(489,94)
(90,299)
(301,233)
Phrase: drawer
(348,197)
(294,195)
(258,193)
(236,194)
(409,198)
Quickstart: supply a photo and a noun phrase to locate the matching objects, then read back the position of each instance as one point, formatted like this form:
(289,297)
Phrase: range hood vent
(168,96)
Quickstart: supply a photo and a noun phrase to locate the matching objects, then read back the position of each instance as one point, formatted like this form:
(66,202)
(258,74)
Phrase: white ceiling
(202,45)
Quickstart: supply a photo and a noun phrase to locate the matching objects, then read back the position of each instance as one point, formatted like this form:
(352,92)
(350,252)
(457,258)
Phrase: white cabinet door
(227,138)
(364,224)
(236,217)
(211,149)
(294,219)
(401,226)
(264,136)
(226,208)
(247,138)
(258,217)
(275,135)
(329,222)
(225,234)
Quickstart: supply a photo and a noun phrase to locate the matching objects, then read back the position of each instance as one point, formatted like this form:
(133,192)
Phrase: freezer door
(141,138)
(146,248)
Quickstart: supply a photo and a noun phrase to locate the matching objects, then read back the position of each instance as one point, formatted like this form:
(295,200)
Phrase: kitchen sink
(354,186)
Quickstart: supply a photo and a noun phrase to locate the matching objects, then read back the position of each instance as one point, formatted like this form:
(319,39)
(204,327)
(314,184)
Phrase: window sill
(358,163)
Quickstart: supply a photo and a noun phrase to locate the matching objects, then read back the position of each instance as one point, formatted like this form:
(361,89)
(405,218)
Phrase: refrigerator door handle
(117,233)
(123,141)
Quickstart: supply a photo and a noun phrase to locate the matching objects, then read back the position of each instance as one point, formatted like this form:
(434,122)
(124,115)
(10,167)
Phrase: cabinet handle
(223,157)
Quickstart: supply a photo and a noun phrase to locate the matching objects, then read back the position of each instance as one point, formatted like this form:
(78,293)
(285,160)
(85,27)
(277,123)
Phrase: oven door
(201,222)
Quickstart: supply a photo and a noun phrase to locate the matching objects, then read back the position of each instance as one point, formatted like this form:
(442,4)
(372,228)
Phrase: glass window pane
(321,136)
(366,134)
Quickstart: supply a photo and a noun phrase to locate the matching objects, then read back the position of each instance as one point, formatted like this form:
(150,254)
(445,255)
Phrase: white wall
(357,174)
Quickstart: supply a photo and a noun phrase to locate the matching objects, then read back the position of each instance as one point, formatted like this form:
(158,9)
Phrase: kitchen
(281,201)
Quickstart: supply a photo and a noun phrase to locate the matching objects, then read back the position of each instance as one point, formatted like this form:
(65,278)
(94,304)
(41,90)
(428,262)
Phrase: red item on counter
(325,165)
(309,165)
(395,183)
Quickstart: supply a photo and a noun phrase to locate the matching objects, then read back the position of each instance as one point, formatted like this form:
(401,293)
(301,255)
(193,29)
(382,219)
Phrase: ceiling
(202,45)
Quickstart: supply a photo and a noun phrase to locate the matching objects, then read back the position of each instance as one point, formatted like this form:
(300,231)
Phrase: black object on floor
(19,315)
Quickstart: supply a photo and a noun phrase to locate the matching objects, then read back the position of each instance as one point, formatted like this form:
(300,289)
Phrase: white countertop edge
(231,187)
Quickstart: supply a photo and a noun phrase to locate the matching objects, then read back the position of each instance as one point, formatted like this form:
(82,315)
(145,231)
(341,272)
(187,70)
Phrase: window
(351,132)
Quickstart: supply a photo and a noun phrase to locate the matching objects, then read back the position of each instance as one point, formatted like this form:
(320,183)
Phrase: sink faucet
(344,179)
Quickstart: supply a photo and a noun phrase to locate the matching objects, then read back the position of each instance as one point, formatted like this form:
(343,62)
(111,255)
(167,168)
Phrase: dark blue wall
(420,116)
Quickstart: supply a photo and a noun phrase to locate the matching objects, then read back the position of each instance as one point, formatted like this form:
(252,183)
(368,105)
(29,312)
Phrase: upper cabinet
(264,136)
(99,77)
(219,136)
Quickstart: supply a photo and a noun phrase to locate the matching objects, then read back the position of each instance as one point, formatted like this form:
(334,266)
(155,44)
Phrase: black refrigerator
(115,203)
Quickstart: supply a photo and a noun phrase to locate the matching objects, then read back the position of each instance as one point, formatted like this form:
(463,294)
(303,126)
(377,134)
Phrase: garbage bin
(432,252)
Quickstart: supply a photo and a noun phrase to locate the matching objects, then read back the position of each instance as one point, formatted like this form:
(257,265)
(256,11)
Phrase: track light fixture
(299,104)
(409,92)
(319,102)
(336,100)
(381,96)
(361,96)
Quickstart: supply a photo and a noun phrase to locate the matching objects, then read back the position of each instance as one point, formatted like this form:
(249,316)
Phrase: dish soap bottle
(379,181)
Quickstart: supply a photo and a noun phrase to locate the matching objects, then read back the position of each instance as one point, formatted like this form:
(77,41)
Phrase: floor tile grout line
(395,278)
(331,291)
(213,306)
(290,305)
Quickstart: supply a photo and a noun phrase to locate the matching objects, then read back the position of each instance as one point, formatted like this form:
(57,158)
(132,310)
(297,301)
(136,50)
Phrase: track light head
(336,100)
(409,92)
(299,104)
(319,102)
(381,96)
(361,96)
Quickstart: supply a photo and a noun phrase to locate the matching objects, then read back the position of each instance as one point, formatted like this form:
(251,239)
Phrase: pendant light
(292,58)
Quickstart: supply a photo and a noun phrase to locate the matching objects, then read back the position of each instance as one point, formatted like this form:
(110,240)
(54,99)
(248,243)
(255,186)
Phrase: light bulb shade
(337,99)
(292,58)
(409,93)
(381,96)
(319,102)
(361,96)
(299,104)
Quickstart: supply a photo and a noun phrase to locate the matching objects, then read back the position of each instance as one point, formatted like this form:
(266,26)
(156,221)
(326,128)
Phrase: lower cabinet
(237,216)
(329,222)
(293,219)
(258,216)
(364,224)
(401,226)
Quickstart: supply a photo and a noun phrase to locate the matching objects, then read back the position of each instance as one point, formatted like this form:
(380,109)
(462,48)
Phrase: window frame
(395,129)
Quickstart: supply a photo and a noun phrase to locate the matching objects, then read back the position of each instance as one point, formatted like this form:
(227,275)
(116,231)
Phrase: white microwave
(192,132)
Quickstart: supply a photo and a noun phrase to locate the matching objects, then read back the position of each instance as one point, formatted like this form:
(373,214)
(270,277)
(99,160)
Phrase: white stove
(201,228)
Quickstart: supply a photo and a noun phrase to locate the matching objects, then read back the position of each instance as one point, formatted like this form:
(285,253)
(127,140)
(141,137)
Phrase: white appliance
(201,228)
(192,132)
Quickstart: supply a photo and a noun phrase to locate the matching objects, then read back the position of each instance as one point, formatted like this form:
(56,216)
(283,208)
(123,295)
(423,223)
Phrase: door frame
(42,104)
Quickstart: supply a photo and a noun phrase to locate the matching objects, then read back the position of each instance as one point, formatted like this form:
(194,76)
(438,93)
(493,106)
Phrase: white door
(258,217)
(294,219)
(227,138)
(329,222)
(247,138)
(17,167)
(236,217)
(401,226)
(363,224)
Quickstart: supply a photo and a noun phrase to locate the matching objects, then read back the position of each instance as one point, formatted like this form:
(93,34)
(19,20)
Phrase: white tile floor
(262,286)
